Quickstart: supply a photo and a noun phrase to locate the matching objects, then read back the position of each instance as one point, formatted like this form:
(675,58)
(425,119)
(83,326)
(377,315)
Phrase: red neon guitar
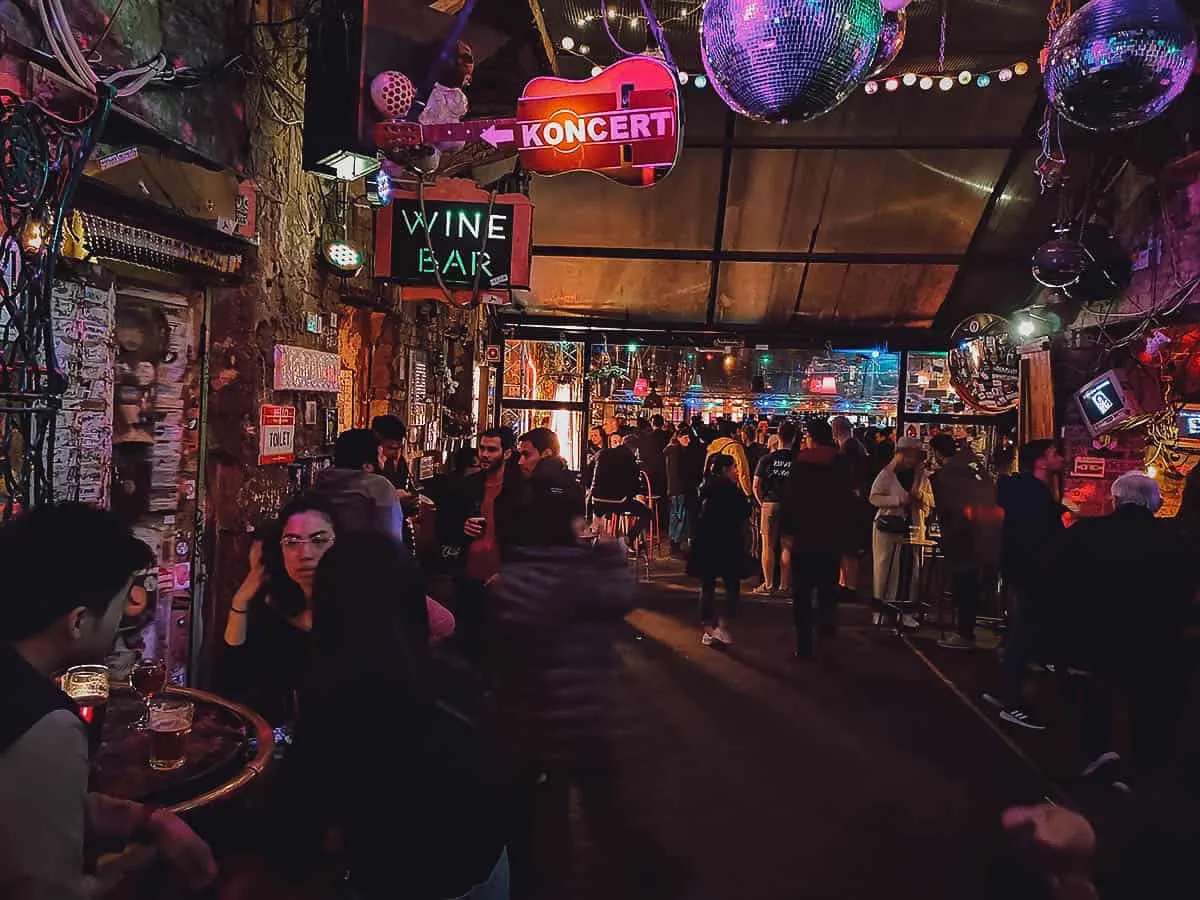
(625,124)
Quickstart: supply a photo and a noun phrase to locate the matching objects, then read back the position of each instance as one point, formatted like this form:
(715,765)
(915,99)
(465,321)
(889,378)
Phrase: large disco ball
(1119,63)
(788,60)
(891,41)
(1060,262)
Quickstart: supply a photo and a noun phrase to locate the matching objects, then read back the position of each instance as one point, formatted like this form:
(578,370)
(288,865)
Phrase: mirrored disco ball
(891,41)
(788,60)
(1119,63)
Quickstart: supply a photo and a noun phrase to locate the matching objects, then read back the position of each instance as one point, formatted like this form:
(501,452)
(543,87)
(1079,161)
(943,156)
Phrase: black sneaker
(1014,715)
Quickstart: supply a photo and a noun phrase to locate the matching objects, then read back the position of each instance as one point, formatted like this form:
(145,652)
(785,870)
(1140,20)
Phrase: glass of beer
(147,679)
(88,687)
(170,723)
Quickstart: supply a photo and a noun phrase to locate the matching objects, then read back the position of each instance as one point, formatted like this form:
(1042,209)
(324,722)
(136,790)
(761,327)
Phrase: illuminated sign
(461,242)
(1188,424)
(623,123)
(301,369)
(641,387)
(826,384)
(456,235)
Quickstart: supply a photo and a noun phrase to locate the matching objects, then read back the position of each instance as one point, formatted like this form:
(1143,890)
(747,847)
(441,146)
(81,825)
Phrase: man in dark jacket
(964,496)
(1032,527)
(817,503)
(682,481)
(616,482)
(1122,586)
(364,500)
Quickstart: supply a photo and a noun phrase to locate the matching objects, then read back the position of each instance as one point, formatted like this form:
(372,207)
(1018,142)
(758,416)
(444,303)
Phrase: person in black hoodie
(683,479)
(818,517)
(1032,527)
(719,547)
(616,483)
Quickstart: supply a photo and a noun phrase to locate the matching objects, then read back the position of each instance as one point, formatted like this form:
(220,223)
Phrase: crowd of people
(476,644)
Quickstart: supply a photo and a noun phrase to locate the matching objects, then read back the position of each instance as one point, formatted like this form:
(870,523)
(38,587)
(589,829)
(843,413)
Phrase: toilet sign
(276,434)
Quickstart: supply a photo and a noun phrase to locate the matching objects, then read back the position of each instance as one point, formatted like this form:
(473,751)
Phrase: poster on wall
(985,364)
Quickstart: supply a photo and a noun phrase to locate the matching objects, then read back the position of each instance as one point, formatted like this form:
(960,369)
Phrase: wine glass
(147,679)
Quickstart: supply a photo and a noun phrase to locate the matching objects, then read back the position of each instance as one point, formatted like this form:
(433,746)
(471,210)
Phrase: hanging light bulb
(682,76)
(583,22)
(871,87)
(964,77)
(946,83)
(567,43)
(584,49)
(596,70)
(700,81)
(926,83)
(891,84)
(909,79)
(1005,74)
(1020,68)
(983,80)
(612,13)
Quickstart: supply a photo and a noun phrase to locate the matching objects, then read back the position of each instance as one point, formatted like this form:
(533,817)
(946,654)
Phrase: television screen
(1100,400)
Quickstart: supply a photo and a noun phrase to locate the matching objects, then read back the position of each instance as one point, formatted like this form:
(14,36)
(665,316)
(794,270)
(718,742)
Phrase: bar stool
(612,522)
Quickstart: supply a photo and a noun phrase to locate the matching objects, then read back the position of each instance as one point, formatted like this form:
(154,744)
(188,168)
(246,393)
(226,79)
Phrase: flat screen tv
(1105,402)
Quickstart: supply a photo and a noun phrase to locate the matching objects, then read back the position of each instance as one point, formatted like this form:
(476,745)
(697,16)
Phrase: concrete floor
(857,775)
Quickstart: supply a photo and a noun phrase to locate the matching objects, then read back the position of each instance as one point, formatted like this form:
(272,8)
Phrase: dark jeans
(966,587)
(1022,640)
(469,606)
(814,572)
(1155,694)
(636,508)
(708,599)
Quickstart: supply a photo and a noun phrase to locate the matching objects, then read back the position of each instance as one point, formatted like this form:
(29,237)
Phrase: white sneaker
(910,621)
(721,636)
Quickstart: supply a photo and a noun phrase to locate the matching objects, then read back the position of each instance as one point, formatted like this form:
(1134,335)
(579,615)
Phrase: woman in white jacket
(900,497)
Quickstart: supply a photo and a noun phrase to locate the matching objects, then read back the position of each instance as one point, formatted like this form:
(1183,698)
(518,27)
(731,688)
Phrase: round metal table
(229,747)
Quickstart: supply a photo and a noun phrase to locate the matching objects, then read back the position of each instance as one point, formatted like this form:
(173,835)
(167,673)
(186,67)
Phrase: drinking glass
(88,687)
(170,723)
(147,679)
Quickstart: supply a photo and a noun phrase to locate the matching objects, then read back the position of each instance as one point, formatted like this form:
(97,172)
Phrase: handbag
(892,524)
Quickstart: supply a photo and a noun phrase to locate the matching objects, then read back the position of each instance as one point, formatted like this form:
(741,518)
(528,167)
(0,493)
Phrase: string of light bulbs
(945,81)
(569,45)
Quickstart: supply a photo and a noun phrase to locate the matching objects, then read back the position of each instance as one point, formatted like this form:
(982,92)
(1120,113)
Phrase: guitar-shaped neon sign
(624,123)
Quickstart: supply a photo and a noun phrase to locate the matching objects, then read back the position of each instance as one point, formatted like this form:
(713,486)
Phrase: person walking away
(558,607)
(471,513)
(681,487)
(728,445)
(898,495)
(817,506)
(1122,585)
(719,547)
(857,460)
(755,449)
(651,442)
(1032,528)
(616,485)
(52,621)
(964,496)
(428,824)
(363,501)
(769,480)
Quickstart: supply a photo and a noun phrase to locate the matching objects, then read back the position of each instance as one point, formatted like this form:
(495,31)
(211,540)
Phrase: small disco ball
(1060,262)
(780,61)
(1117,64)
(393,94)
(891,41)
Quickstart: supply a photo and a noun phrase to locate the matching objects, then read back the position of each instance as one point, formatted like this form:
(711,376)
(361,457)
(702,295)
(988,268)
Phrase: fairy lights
(946,81)
(576,45)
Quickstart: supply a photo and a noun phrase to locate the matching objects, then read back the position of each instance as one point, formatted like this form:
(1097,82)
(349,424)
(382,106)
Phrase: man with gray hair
(1121,586)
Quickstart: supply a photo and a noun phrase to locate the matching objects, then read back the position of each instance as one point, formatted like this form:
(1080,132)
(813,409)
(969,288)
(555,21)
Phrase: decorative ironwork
(41,160)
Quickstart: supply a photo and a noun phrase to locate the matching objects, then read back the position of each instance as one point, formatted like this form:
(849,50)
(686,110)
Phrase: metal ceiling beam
(998,142)
(710,309)
(1028,133)
(760,256)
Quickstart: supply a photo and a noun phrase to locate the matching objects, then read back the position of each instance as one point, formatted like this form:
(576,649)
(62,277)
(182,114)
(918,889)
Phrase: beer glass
(170,722)
(147,679)
(88,687)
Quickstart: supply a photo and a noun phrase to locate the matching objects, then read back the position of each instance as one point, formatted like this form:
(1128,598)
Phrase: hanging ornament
(1060,262)
(1116,64)
(780,61)
(891,40)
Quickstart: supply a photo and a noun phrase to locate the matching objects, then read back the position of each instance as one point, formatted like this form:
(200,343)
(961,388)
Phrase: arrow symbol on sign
(497,136)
